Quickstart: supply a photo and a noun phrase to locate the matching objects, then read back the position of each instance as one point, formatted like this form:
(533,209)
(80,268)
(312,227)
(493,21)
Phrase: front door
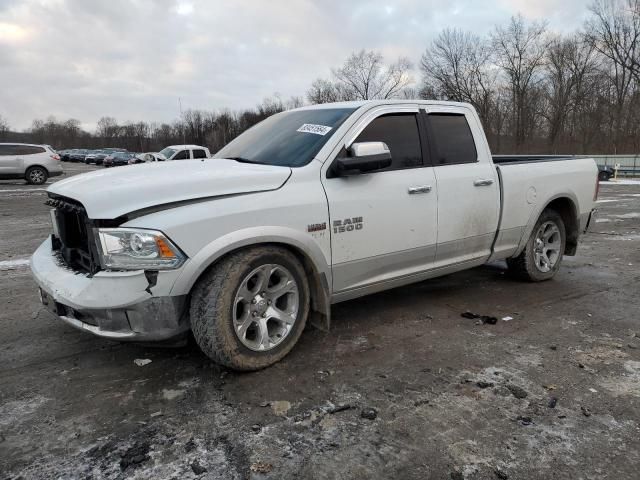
(383,223)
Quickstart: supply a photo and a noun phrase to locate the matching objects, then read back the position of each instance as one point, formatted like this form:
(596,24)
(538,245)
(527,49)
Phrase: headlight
(137,249)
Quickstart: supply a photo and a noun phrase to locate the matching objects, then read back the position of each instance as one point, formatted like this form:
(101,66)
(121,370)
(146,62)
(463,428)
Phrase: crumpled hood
(108,194)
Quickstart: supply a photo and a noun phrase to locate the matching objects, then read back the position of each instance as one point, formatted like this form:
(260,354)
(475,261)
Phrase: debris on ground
(524,420)
(369,413)
(593,390)
(261,467)
(483,384)
(553,347)
(553,401)
(517,391)
(482,319)
(280,407)
(141,362)
(507,319)
(585,411)
(134,456)
(256,428)
(501,474)
(338,408)
(197,468)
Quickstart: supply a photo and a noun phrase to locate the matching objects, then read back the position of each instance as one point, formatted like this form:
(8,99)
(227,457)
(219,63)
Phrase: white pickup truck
(310,207)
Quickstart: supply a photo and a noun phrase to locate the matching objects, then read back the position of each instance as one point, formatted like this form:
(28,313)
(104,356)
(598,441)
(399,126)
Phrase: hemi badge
(317,227)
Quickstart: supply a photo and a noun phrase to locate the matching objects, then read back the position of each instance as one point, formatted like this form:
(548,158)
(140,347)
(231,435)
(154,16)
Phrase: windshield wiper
(245,160)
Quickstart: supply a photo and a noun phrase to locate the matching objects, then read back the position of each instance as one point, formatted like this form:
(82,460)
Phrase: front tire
(36,175)
(541,258)
(250,309)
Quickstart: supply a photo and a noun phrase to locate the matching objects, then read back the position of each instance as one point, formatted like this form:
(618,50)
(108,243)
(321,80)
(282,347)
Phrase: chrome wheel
(266,307)
(547,244)
(37,176)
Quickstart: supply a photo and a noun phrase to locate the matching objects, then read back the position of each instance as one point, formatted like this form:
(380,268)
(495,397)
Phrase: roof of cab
(373,103)
(177,147)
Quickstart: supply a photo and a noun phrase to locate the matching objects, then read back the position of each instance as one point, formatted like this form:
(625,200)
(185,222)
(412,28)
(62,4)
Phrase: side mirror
(364,157)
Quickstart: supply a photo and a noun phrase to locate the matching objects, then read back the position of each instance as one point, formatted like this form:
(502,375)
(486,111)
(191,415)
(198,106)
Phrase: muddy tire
(541,258)
(36,175)
(249,310)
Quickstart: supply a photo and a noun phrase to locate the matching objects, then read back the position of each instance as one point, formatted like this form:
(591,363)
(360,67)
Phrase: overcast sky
(132,59)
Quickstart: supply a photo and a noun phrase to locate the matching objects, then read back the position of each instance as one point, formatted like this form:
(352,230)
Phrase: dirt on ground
(401,387)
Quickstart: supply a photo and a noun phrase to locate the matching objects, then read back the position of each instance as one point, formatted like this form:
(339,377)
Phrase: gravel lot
(402,387)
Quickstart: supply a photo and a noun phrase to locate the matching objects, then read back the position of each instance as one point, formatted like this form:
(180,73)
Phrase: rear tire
(238,316)
(604,176)
(541,258)
(36,175)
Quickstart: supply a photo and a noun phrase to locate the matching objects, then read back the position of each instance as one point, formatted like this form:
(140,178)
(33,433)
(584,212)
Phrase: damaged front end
(120,301)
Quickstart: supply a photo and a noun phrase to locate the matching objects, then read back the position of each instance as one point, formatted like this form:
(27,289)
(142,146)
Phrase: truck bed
(515,159)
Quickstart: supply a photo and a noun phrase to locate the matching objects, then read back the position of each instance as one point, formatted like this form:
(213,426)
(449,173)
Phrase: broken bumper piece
(114,305)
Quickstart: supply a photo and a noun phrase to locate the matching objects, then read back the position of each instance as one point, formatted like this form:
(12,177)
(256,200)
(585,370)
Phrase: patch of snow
(628,215)
(14,264)
(621,182)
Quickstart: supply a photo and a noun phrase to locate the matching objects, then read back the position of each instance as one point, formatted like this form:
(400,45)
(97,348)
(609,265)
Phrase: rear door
(383,224)
(468,187)
(10,161)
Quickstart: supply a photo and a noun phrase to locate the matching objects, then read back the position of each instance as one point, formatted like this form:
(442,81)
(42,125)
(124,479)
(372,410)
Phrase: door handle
(483,182)
(419,189)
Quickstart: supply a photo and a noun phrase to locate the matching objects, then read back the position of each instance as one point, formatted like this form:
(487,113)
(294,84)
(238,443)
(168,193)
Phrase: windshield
(167,152)
(289,139)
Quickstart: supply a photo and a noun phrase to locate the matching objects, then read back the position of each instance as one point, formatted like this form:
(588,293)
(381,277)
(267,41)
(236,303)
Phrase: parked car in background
(34,163)
(96,157)
(605,173)
(64,154)
(184,152)
(146,158)
(117,159)
(78,155)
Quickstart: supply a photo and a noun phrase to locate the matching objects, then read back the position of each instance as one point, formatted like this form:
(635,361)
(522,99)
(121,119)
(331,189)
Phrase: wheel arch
(567,207)
(307,252)
(33,165)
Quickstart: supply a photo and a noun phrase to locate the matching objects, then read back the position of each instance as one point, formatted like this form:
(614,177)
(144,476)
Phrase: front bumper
(114,305)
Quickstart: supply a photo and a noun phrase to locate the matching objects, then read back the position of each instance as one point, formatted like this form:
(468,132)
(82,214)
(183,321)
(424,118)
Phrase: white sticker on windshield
(316,129)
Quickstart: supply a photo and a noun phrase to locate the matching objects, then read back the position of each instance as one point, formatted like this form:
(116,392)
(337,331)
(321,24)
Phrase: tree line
(536,91)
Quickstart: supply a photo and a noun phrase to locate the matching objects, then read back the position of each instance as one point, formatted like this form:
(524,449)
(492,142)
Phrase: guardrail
(629,164)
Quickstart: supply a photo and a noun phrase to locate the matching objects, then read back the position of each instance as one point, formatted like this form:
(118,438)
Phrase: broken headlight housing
(137,249)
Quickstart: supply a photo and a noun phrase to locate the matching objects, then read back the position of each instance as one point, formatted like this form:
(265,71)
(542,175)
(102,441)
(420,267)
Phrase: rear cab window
(199,153)
(451,139)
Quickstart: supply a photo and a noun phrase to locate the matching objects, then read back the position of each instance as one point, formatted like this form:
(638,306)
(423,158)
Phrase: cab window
(182,155)
(400,132)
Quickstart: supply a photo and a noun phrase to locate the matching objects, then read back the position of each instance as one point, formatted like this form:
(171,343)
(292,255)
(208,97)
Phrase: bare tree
(458,67)
(4,128)
(520,51)
(614,31)
(364,76)
(569,62)
(107,128)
